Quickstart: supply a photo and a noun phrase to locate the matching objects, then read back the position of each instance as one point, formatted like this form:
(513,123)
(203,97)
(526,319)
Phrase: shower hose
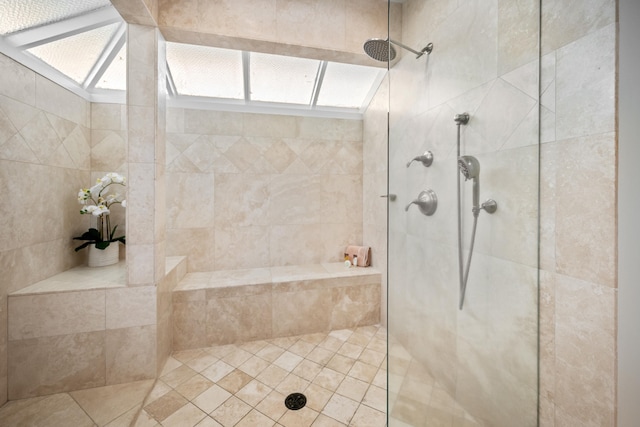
(462,270)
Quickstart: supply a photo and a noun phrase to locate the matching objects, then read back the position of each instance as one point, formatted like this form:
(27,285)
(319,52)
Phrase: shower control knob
(427,202)
(426,159)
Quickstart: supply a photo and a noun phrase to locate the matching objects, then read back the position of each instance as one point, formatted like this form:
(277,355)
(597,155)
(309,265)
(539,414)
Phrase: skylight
(81,45)
(63,54)
(202,71)
(210,77)
(276,78)
(19,15)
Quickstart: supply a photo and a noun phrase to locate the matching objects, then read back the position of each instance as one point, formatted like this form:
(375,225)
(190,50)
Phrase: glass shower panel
(475,365)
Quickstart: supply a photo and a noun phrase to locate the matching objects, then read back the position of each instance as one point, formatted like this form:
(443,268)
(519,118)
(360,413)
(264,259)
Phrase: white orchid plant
(97,201)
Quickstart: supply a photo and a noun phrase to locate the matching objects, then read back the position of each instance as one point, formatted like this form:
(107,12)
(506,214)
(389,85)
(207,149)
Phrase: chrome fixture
(469,167)
(426,159)
(461,119)
(427,202)
(382,49)
(490,206)
(392,197)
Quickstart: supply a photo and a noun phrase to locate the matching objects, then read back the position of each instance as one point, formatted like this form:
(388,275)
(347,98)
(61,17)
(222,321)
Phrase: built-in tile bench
(83,328)
(223,307)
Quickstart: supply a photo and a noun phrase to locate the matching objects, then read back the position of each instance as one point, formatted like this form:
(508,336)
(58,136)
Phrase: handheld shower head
(470,169)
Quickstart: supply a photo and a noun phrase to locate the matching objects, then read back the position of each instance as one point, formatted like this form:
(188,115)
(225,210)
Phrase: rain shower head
(469,167)
(382,49)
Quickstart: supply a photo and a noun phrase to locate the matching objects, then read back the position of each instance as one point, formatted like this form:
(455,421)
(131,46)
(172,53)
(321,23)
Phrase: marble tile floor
(111,406)
(416,399)
(342,373)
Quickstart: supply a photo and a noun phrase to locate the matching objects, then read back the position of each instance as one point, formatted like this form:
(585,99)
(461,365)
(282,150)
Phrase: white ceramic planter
(103,257)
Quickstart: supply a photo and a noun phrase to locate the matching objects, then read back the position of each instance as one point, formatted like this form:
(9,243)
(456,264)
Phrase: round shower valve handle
(427,202)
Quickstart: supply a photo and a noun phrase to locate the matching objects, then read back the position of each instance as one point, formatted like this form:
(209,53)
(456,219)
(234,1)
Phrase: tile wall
(44,159)
(578,213)
(255,190)
(330,30)
(217,308)
(374,171)
(578,160)
(484,355)
(83,339)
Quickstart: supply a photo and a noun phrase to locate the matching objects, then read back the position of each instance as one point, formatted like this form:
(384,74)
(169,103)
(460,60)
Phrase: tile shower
(573,283)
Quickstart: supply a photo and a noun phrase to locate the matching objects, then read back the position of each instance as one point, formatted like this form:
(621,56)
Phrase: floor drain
(295,401)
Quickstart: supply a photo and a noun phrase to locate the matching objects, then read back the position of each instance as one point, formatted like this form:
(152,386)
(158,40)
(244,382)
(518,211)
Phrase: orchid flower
(98,205)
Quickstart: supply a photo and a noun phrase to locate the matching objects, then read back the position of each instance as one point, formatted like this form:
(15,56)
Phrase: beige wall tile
(140,265)
(355,306)
(424,308)
(241,200)
(142,134)
(336,129)
(108,116)
(182,13)
(73,362)
(140,203)
(269,125)
(127,307)
(49,315)
(266,159)
(292,27)
(231,320)
(141,59)
(207,122)
(130,354)
(198,243)
(189,325)
(250,18)
(301,312)
(517,33)
(109,150)
(581,79)
(312,19)
(585,352)
(191,201)
(364,19)
(588,256)
(241,247)
(547,348)
(58,101)
(563,22)
(312,243)
(20,82)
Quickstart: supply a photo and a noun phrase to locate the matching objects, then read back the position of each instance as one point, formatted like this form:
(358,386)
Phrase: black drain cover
(295,401)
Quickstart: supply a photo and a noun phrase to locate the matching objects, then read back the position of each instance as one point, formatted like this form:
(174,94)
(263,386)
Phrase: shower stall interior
(456,357)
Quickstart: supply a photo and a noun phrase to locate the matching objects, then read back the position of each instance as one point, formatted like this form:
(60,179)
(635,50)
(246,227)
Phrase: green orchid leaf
(102,245)
(92,234)
(82,246)
(112,233)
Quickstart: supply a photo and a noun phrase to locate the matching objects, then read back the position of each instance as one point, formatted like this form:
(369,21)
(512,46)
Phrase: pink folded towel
(362,252)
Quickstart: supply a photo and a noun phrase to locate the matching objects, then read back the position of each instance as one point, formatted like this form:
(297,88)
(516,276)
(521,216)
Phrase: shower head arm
(427,49)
